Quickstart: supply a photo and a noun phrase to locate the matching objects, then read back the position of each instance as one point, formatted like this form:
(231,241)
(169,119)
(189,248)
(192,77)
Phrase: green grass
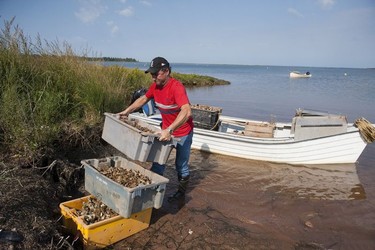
(192,80)
(51,96)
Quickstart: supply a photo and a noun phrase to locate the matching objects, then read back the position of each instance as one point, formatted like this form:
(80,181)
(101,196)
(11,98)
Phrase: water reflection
(218,177)
(325,182)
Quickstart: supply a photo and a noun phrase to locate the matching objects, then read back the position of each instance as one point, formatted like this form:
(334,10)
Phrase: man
(171,99)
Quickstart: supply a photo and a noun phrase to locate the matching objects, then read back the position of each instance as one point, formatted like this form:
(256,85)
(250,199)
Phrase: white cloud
(127,12)
(87,15)
(294,12)
(146,3)
(113,27)
(326,4)
(90,11)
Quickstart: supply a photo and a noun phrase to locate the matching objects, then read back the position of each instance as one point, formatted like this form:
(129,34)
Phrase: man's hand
(123,114)
(165,135)
(136,105)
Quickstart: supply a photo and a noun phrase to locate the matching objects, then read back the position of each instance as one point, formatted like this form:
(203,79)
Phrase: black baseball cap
(157,64)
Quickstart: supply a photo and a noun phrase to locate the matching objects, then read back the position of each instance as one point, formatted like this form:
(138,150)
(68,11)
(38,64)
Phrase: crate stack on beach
(128,205)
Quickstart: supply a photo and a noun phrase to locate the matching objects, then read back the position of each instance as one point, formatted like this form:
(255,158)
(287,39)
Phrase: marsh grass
(193,80)
(50,96)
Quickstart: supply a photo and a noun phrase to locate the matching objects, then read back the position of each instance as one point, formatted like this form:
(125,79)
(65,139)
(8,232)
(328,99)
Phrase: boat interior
(306,124)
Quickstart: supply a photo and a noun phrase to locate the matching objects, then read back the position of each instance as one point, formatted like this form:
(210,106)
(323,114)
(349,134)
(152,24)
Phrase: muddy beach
(232,203)
(242,204)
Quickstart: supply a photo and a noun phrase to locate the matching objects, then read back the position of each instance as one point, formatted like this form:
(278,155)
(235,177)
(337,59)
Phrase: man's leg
(183,149)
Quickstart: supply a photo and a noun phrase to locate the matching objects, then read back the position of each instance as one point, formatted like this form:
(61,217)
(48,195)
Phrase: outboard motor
(138,93)
(149,108)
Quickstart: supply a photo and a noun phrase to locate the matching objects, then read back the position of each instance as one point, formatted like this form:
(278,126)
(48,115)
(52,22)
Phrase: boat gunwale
(255,140)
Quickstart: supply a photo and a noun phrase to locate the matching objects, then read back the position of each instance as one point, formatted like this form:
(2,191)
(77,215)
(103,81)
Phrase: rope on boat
(366,129)
(216,124)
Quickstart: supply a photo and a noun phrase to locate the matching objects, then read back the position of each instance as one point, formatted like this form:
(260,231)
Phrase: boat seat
(316,125)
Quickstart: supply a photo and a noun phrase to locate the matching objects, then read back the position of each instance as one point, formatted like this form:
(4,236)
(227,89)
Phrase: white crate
(136,144)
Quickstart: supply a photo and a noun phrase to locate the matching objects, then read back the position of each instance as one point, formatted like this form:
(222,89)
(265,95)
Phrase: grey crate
(125,201)
(136,144)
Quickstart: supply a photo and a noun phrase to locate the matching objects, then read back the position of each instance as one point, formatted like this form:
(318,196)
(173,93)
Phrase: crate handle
(176,139)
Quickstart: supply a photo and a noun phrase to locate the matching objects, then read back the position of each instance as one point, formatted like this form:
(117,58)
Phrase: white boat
(311,138)
(297,74)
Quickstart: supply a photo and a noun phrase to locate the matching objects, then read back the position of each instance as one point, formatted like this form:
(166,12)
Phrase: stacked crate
(138,141)
(205,117)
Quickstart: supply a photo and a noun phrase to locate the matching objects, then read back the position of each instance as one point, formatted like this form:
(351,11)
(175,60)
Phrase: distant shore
(110,59)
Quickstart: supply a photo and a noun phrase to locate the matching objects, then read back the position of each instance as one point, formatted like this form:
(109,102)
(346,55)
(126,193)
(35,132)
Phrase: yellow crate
(102,233)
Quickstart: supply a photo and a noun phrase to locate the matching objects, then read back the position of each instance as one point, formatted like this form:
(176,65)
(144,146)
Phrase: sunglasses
(158,73)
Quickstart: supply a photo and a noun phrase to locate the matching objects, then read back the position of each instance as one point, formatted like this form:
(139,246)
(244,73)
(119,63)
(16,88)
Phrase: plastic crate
(134,143)
(205,117)
(123,200)
(102,233)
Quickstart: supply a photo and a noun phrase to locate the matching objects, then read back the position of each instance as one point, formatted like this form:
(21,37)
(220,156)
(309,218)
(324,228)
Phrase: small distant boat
(297,74)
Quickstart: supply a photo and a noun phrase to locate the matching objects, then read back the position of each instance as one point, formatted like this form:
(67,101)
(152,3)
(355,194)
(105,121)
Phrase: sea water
(259,92)
(330,205)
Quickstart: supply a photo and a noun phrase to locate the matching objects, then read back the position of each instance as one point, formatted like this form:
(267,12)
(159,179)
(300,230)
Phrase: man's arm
(134,106)
(182,117)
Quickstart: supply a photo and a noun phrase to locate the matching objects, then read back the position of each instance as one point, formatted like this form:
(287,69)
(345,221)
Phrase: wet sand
(234,203)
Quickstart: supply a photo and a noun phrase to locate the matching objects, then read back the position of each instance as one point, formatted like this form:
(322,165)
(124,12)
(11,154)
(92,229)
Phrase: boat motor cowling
(149,108)
(136,94)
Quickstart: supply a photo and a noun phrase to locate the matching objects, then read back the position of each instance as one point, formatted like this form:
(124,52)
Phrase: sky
(313,33)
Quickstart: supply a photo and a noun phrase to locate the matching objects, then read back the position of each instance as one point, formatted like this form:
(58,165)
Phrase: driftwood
(366,129)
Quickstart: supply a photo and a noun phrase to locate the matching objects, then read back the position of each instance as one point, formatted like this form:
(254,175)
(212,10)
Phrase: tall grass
(49,95)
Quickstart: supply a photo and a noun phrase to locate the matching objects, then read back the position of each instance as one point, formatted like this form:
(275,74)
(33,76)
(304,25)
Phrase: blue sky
(315,33)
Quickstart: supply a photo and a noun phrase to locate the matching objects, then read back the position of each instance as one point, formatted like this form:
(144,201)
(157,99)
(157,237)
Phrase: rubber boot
(182,186)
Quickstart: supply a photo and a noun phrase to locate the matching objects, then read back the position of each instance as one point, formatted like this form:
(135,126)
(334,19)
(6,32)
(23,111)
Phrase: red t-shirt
(168,100)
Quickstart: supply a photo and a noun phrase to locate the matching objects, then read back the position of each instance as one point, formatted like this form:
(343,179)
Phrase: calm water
(257,92)
(331,206)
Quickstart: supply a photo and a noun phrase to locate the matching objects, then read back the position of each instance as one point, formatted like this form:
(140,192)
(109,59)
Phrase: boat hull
(340,148)
(344,148)
(299,75)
